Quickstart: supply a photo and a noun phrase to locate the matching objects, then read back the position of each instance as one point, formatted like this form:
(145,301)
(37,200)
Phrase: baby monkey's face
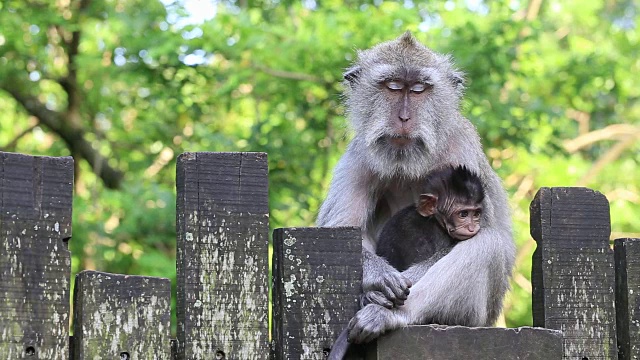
(464,222)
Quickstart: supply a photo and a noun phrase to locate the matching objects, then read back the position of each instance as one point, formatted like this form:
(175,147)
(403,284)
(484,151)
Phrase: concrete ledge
(439,342)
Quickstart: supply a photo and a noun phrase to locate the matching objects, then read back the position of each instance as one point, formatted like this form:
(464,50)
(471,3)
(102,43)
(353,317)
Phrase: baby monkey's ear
(427,204)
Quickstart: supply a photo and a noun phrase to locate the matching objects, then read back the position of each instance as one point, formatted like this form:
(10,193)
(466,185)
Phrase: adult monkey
(403,102)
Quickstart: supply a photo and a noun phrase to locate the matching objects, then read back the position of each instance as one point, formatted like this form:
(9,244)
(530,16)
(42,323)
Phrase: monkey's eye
(418,88)
(394,85)
(463,214)
(477,213)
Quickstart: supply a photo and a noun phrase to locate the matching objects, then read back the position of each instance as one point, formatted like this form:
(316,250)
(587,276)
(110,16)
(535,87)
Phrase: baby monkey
(448,210)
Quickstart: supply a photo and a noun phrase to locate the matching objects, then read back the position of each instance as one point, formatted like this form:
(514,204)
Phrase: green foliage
(266,77)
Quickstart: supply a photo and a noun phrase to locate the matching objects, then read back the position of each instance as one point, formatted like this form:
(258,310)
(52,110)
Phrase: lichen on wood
(317,274)
(121,316)
(223,223)
(572,270)
(35,263)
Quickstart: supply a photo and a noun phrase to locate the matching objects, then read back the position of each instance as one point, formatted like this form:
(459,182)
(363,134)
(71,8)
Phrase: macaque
(403,102)
(448,211)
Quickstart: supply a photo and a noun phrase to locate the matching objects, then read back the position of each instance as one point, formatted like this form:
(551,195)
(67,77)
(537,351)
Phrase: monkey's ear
(352,73)
(427,204)
(457,80)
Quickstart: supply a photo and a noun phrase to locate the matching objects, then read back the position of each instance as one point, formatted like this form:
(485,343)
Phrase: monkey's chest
(397,196)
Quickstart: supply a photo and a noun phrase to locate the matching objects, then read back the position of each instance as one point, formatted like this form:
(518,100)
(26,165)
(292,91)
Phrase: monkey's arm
(417,271)
(347,204)
(380,278)
(413,274)
(460,289)
(465,287)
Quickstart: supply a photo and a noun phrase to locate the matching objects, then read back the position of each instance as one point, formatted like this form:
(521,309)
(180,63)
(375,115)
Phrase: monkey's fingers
(392,293)
(388,281)
(375,297)
(398,285)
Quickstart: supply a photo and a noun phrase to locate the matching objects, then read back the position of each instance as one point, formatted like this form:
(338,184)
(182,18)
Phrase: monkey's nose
(404,109)
(404,115)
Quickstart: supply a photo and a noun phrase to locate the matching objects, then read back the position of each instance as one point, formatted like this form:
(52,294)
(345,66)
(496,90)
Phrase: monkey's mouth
(399,140)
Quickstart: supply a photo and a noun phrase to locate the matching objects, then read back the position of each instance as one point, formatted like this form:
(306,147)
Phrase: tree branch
(73,136)
(609,157)
(611,132)
(12,144)
(70,82)
(533,9)
(288,74)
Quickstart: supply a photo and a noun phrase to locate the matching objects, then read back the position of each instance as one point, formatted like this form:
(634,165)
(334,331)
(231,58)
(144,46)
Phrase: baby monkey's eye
(463,214)
(394,85)
(477,213)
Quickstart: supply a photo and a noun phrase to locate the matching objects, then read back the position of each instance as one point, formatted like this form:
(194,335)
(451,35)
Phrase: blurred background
(125,86)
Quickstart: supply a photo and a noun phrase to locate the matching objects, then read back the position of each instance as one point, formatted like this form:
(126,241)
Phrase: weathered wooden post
(627,258)
(437,342)
(572,272)
(121,317)
(35,264)
(222,256)
(317,274)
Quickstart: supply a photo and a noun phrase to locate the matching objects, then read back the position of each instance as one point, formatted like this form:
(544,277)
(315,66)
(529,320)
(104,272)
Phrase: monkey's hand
(375,297)
(382,279)
(372,321)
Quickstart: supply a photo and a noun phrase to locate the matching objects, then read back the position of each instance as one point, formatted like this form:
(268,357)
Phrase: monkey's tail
(340,347)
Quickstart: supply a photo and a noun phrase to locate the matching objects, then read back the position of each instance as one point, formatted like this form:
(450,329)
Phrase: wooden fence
(581,287)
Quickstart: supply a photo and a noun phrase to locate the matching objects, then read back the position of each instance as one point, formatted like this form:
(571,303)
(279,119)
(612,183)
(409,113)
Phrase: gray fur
(372,181)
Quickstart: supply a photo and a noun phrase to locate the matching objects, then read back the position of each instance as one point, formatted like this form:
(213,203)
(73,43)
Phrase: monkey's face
(398,95)
(403,92)
(463,222)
